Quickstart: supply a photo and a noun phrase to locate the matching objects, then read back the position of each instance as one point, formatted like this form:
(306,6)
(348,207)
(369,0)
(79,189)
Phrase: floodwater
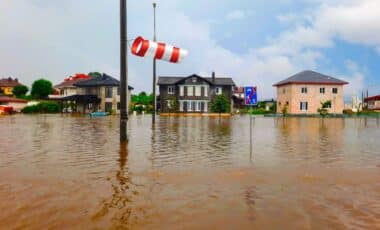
(64,172)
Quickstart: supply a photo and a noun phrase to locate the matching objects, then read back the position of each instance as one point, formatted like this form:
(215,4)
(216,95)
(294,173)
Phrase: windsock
(142,47)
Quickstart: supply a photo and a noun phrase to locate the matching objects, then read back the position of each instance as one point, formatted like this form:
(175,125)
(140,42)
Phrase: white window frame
(188,91)
(189,106)
(218,90)
(171,89)
(304,106)
(198,91)
(205,91)
(181,90)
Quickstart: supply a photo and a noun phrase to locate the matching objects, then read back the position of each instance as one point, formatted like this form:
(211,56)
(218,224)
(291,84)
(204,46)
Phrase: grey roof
(311,77)
(104,80)
(174,80)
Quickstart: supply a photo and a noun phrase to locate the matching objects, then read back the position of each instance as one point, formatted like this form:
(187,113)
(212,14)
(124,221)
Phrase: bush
(348,111)
(20,90)
(43,107)
(220,104)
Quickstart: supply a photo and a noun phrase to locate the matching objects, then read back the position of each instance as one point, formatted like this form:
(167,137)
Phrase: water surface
(64,172)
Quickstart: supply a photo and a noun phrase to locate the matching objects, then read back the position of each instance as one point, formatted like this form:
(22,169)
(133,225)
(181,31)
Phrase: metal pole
(123,71)
(154,66)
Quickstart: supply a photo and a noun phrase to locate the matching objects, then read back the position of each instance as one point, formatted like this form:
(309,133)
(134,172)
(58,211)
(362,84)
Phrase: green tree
(94,74)
(20,90)
(41,89)
(220,104)
(323,111)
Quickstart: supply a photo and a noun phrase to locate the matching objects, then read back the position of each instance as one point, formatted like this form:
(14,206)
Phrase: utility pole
(154,66)
(123,71)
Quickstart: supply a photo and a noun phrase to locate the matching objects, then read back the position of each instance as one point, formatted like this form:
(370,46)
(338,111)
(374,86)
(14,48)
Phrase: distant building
(67,87)
(238,98)
(303,93)
(98,94)
(16,103)
(372,103)
(192,94)
(7,85)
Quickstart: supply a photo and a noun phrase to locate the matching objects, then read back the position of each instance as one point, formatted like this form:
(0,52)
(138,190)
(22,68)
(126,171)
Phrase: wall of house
(101,93)
(68,91)
(375,104)
(293,95)
(7,90)
(189,84)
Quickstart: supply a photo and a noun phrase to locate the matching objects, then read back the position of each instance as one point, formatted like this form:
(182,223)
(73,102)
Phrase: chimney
(213,76)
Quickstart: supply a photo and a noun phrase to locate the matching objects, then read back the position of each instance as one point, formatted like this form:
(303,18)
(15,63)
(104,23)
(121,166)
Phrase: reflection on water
(59,171)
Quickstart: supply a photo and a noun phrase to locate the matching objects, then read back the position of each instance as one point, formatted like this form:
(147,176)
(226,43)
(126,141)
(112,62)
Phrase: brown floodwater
(67,172)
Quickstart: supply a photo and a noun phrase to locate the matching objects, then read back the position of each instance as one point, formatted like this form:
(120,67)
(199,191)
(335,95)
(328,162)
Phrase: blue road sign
(250,95)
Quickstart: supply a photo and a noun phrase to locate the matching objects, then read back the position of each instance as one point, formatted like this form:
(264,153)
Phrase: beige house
(304,92)
(99,94)
(372,103)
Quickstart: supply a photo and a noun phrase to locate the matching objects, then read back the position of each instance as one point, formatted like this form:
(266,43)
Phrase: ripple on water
(191,172)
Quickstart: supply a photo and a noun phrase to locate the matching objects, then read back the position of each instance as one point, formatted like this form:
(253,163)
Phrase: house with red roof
(67,87)
(9,104)
(7,85)
(373,103)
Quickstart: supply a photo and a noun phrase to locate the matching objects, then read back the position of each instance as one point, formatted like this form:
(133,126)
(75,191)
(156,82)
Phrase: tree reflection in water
(119,206)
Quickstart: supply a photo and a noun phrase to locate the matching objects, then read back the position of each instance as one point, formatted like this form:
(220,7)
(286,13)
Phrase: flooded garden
(65,172)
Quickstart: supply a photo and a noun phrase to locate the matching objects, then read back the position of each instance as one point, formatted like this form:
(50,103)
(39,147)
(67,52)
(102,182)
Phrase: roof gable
(219,81)
(311,77)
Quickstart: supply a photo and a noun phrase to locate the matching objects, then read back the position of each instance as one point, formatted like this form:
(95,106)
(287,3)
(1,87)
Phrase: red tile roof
(9,82)
(12,99)
(373,98)
(70,81)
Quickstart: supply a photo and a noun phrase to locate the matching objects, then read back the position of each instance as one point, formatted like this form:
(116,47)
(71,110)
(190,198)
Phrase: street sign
(250,95)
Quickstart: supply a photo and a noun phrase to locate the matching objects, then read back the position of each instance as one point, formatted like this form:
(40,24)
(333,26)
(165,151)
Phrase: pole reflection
(119,205)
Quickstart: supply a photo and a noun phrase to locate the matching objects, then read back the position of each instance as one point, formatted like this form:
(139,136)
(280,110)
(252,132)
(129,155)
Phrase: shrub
(220,104)
(43,107)
(20,90)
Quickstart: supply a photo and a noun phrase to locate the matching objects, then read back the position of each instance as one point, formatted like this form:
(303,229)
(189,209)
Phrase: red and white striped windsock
(142,47)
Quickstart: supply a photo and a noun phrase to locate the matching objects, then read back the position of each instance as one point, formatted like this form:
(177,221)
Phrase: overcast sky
(253,41)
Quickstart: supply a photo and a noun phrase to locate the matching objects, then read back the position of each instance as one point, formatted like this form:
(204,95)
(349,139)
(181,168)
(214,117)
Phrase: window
(190,90)
(170,104)
(197,91)
(287,103)
(322,90)
(218,90)
(171,89)
(303,106)
(206,91)
(181,90)
(118,106)
(189,106)
(199,106)
(108,92)
(89,106)
(283,90)
(108,106)
(194,79)
(194,104)
(335,90)
(303,90)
